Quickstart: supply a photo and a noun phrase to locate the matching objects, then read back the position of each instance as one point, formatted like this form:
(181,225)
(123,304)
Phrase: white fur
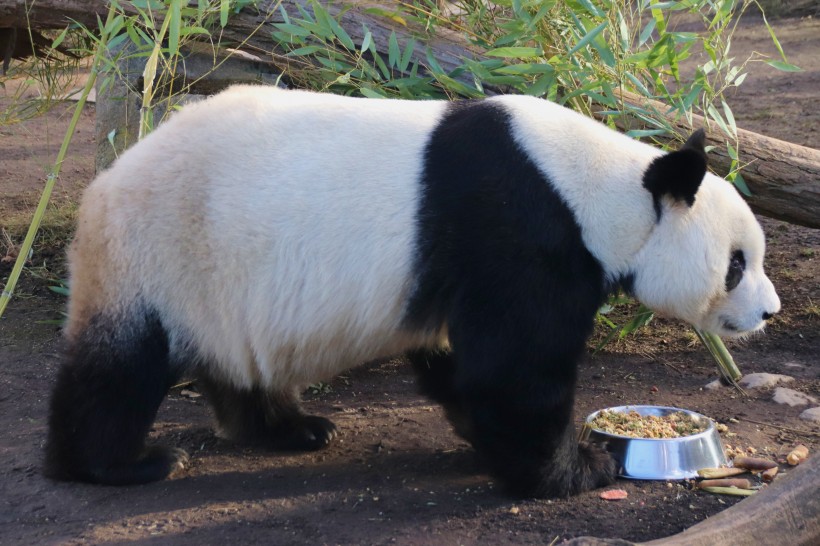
(680,264)
(681,270)
(301,263)
(274,230)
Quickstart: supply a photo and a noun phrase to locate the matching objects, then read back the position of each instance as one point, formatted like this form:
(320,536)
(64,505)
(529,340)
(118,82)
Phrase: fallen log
(785,512)
(783,178)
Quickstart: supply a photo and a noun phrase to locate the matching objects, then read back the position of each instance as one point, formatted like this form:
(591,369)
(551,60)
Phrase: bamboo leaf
(647,32)
(393,51)
(294,30)
(60,37)
(775,40)
(306,50)
(730,118)
(740,184)
(526,69)
(370,93)
(62,290)
(641,133)
(583,42)
(368,37)
(224,12)
(785,67)
(515,52)
(175,14)
(341,34)
(406,57)
(591,8)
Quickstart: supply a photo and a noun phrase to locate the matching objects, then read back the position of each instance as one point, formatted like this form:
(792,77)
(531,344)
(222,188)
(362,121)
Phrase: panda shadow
(335,502)
(404,478)
(374,451)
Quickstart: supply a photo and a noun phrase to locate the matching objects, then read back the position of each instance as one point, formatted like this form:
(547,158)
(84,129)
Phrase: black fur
(436,377)
(107,394)
(266,418)
(737,265)
(678,174)
(501,262)
(109,390)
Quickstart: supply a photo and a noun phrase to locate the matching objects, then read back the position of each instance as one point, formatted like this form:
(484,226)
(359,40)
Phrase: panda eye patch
(737,264)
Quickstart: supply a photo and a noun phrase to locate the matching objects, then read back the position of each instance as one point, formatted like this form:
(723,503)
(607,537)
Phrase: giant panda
(265,239)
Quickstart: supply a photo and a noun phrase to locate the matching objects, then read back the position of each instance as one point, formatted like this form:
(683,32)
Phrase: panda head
(703,261)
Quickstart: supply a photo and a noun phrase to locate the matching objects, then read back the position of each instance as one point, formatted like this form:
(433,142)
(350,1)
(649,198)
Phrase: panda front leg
(436,375)
(267,418)
(108,390)
(517,389)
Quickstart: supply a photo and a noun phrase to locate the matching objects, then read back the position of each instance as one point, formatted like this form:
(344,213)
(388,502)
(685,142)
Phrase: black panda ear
(678,174)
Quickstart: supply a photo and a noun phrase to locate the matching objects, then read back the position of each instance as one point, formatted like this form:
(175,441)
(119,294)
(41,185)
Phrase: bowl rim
(710,424)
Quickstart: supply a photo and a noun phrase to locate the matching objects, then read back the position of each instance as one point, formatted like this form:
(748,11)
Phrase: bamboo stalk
(34,227)
(726,364)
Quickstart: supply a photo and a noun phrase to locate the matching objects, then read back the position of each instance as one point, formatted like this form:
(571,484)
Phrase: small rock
(811,414)
(713,386)
(791,397)
(758,380)
(792,365)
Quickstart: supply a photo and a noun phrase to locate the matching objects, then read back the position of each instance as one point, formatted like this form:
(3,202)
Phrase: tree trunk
(784,178)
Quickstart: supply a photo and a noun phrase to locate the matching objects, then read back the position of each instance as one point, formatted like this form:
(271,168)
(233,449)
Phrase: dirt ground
(397,474)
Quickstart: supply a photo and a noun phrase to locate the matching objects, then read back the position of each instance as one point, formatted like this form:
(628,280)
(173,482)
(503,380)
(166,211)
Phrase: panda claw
(309,433)
(155,463)
(181,462)
(319,431)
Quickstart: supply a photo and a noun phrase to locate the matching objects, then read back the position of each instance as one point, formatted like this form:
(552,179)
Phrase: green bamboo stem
(149,76)
(42,205)
(726,364)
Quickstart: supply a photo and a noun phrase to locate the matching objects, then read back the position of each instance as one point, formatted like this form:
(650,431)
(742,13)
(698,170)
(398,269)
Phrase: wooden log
(449,47)
(784,178)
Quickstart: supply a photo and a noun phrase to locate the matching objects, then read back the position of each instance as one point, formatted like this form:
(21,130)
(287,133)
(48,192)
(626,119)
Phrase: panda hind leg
(113,378)
(269,419)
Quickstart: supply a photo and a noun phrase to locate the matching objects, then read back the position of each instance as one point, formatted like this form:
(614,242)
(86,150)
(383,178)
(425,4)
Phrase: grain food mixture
(635,425)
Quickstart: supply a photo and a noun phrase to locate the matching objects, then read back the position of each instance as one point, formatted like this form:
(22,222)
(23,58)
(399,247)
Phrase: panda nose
(767,315)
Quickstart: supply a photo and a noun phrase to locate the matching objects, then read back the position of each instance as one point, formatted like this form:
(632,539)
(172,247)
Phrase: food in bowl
(634,425)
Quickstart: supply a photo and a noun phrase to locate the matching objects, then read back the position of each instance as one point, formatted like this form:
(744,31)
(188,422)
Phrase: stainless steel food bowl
(664,458)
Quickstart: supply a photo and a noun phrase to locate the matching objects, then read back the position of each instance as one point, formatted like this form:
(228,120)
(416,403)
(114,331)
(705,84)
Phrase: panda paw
(154,464)
(592,468)
(159,462)
(596,467)
(308,433)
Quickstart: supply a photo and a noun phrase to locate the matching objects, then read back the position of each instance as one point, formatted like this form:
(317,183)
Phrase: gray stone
(811,414)
(713,386)
(791,397)
(759,380)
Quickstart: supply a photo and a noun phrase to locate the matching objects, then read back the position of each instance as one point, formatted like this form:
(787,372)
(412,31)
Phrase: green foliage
(583,53)
(640,318)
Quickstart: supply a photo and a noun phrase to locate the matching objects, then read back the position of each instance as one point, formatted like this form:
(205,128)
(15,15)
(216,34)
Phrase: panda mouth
(729,326)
